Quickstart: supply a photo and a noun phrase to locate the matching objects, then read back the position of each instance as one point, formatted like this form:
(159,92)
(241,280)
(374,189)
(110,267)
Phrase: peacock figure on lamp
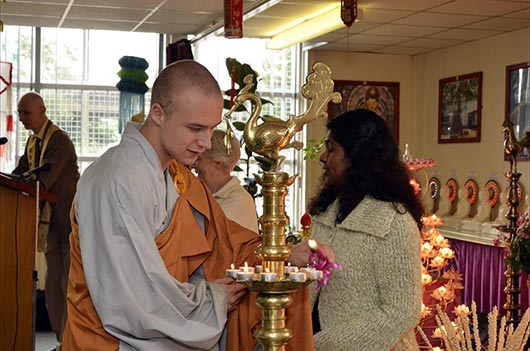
(268,139)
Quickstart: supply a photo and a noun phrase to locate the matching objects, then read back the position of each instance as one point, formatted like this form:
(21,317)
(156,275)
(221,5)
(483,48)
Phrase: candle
(297,276)
(318,258)
(268,276)
(314,274)
(307,269)
(242,275)
(232,273)
(246,268)
(259,268)
(289,269)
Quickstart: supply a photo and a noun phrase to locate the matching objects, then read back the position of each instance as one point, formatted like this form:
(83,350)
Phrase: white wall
(418,117)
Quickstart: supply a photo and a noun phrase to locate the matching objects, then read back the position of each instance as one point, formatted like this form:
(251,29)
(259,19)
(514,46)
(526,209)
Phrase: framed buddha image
(459,108)
(380,97)
(517,101)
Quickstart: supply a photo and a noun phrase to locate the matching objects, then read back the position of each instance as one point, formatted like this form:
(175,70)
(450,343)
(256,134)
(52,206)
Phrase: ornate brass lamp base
(274,334)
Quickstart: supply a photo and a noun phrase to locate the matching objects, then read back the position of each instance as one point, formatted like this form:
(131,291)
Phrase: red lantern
(233,11)
(348,11)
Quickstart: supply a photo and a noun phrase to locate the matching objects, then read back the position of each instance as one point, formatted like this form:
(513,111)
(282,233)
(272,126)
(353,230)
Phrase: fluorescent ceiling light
(316,26)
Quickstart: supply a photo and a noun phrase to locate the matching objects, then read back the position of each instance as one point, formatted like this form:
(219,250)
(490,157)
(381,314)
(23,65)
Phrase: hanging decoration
(7,129)
(132,88)
(348,11)
(233,14)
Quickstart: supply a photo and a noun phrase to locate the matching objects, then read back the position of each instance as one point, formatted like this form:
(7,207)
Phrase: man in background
(215,168)
(50,145)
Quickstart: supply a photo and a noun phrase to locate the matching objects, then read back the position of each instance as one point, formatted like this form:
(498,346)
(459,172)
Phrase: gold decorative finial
(270,137)
(512,146)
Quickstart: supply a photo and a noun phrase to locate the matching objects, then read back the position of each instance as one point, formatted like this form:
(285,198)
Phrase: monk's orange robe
(184,247)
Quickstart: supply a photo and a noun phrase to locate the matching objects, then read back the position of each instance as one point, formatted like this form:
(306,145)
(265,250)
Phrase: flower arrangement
(439,285)
(517,248)
(462,333)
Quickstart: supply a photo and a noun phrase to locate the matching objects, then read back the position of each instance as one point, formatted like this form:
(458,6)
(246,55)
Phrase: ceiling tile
(432,43)
(521,14)
(402,50)
(404,30)
(375,39)
(403,27)
(414,5)
(110,13)
(440,20)
(97,24)
(383,16)
(499,23)
(465,34)
(45,21)
(21,8)
(135,4)
(480,7)
(43,2)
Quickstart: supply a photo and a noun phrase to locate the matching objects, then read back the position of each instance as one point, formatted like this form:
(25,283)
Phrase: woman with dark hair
(368,212)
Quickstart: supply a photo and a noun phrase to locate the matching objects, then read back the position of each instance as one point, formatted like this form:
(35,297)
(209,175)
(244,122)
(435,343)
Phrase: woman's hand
(300,253)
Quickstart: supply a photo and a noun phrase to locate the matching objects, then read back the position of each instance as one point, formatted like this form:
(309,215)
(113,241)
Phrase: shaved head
(32,111)
(179,77)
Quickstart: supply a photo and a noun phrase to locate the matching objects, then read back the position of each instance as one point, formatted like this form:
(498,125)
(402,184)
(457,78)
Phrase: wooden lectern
(17,261)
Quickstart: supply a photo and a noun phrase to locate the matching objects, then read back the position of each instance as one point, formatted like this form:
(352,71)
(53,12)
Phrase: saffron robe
(183,247)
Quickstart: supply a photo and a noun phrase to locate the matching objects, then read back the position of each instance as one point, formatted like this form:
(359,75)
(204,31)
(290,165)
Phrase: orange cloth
(184,247)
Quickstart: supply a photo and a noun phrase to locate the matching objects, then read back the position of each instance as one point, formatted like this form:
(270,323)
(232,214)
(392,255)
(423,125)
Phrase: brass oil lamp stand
(512,289)
(512,148)
(274,298)
(268,139)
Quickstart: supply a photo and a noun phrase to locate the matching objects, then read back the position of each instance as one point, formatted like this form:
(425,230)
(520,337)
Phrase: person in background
(368,212)
(49,144)
(150,244)
(214,167)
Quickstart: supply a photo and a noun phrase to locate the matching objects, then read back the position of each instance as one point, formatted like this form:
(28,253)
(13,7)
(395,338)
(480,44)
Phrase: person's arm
(397,272)
(136,299)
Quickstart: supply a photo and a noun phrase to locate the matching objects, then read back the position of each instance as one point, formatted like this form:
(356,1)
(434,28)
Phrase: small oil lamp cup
(232,273)
(314,274)
(247,269)
(242,275)
(268,276)
(307,269)
(297,276)
(290,269)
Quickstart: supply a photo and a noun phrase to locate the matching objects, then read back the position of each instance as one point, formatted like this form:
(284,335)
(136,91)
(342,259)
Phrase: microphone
(3,140)
(36,170)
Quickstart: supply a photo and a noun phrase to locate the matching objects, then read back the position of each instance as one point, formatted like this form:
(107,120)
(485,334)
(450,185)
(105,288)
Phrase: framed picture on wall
(517,102)
(380,97)
(459,109)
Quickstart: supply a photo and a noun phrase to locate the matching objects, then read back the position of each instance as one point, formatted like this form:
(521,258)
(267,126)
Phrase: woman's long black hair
(376,167)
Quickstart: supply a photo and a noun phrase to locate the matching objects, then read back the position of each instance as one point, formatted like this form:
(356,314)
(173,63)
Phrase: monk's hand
(234,292)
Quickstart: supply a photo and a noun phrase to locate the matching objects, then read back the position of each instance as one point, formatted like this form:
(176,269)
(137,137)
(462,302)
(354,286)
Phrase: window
(76,75)
(277,82)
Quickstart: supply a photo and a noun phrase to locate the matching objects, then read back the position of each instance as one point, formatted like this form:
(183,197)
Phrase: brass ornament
(268,139)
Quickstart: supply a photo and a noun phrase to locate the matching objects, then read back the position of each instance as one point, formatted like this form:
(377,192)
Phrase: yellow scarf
(45,211)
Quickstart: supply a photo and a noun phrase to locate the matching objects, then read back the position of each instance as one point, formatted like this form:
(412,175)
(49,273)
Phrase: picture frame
(460,109)
(380,97)
(517,102)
